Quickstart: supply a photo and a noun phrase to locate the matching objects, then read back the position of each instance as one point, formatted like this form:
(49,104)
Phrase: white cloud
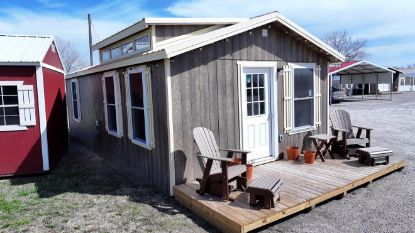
(379,21)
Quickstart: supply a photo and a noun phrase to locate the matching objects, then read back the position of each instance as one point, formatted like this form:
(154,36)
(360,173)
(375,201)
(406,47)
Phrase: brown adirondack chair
(342,128)
(218,173)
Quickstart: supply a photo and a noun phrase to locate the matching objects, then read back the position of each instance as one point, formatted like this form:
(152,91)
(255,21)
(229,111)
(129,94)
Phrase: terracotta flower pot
(309,156)
(293,152)
(249,171)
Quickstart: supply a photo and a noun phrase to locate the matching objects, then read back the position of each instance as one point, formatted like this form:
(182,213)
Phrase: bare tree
(71,59)
(353,49)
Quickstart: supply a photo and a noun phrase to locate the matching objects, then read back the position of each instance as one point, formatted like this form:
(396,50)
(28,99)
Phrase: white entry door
(256,112)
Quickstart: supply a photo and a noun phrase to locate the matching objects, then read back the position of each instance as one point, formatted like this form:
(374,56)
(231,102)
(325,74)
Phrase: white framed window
(112,103)
(139,106)
(17,106)
(142,43)
(76,101)
(302,97)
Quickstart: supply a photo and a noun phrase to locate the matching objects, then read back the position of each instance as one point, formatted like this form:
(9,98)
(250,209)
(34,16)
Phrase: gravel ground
(84,194)
(388,204)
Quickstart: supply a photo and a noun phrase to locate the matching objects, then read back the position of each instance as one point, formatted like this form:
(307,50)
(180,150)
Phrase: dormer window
(135,45)
(128,48)
(116,52)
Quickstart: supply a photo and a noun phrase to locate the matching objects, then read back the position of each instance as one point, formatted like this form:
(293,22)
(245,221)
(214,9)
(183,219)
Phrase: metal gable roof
(361,67)
(23,48)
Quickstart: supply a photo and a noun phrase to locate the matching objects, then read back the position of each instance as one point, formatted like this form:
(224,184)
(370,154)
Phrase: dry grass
(83,194)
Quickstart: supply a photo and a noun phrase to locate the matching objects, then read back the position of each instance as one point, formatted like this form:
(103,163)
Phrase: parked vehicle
(337,94)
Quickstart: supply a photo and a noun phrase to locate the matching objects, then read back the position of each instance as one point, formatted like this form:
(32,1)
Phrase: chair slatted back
(205,141)
(340,119)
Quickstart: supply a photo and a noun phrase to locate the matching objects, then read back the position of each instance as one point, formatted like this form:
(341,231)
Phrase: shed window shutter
(27,111)
(287,82)
(317,99)
(118,103)
(104,93)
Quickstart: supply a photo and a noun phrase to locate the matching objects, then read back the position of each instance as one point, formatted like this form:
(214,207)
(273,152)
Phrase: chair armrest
(236,151)
(361,127)
(215,158)
(341,130)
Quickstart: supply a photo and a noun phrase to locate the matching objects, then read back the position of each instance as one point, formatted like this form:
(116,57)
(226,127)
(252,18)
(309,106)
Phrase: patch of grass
(7,206)
(24,193)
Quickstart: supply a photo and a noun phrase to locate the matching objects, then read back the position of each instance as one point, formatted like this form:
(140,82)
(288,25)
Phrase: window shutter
(317,99)
(27,111)
(118,103)
(149,108)
(104,94)
(287,82)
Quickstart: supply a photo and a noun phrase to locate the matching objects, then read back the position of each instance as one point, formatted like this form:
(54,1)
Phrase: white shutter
(27,111)
(104,93)
(287,82)
(150,123)
(118,105)
(317,99)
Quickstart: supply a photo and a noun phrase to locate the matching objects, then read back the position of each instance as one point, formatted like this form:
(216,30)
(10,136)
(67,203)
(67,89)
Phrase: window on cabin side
(303,97)
(9,106)
(142,43)
(116,52)
(138,108)
(106,55)
(128,47)
(111,104)
(75,100)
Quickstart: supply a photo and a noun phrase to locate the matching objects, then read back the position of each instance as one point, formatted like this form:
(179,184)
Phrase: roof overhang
(146,22)
(361,67)
(195,42)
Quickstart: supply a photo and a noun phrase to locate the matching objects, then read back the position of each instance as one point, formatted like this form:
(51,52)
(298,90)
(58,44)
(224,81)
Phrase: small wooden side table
(323,143)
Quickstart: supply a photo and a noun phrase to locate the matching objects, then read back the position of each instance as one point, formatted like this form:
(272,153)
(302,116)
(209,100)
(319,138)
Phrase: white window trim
(5,128)
(135,51)
(296,130)
(78,101)
(118,109)
(148,112)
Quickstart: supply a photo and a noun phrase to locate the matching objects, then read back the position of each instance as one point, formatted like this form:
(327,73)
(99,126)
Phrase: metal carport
(364,72)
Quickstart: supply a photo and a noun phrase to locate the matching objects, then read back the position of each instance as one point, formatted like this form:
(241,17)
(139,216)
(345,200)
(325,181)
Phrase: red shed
(33,124)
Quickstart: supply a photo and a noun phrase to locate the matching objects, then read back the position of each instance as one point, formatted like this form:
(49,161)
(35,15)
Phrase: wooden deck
(304,186)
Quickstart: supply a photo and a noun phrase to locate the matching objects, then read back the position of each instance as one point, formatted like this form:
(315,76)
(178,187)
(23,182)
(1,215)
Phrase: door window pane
(248,81)
(249,109)
(303,83)
(304,112)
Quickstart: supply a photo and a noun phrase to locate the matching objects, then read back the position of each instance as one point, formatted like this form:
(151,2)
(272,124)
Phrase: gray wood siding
(164,32)
(205,91)
(151,166)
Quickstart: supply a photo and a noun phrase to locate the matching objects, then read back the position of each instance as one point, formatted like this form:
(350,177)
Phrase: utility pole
(91,61)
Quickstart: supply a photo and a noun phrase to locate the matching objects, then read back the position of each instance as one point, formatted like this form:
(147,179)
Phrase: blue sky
(388,26)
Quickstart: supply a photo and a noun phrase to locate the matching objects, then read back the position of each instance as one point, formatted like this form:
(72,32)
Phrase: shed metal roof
(23,48)
(361,67)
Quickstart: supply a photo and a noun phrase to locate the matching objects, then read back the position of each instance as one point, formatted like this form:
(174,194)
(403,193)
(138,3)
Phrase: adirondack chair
(342,128)
(218,172)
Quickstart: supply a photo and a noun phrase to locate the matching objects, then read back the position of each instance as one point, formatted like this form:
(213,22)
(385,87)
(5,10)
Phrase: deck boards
(303,187)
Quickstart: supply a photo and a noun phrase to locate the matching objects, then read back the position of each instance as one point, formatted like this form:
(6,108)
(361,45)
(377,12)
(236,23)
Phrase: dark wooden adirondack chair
(342,128)
(218,173)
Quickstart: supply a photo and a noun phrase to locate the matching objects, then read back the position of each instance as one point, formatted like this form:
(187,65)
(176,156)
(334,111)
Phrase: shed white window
(139,107)
(112,104)
(302,95)
(76,103)
(17,106)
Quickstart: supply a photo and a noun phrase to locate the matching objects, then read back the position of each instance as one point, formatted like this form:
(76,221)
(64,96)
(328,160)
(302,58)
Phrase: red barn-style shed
(33,124)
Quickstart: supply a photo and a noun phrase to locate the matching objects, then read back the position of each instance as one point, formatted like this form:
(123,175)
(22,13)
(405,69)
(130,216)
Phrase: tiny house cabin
(33,125)
(259,84)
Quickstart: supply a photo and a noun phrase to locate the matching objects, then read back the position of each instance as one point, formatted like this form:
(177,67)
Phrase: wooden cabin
(259,84)
(33,122)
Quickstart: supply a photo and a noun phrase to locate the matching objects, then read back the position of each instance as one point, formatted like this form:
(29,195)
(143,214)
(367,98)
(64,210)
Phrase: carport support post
(377,84)
(363,86)
(391,86)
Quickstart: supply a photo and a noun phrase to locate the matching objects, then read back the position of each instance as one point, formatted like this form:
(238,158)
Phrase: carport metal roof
(361,67)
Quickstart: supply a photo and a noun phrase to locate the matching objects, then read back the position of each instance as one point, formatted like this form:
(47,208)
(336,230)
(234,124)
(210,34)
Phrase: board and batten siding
(164,32)
(152,166)
(204,85)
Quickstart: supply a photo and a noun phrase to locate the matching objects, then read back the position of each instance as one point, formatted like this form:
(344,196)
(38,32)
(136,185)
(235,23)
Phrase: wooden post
(91,61)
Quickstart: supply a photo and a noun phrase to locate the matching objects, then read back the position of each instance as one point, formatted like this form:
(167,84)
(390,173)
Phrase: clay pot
(249,171)
(309,156)
(293,152)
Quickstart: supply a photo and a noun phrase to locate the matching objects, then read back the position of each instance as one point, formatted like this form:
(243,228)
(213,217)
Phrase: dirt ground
(84,194)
